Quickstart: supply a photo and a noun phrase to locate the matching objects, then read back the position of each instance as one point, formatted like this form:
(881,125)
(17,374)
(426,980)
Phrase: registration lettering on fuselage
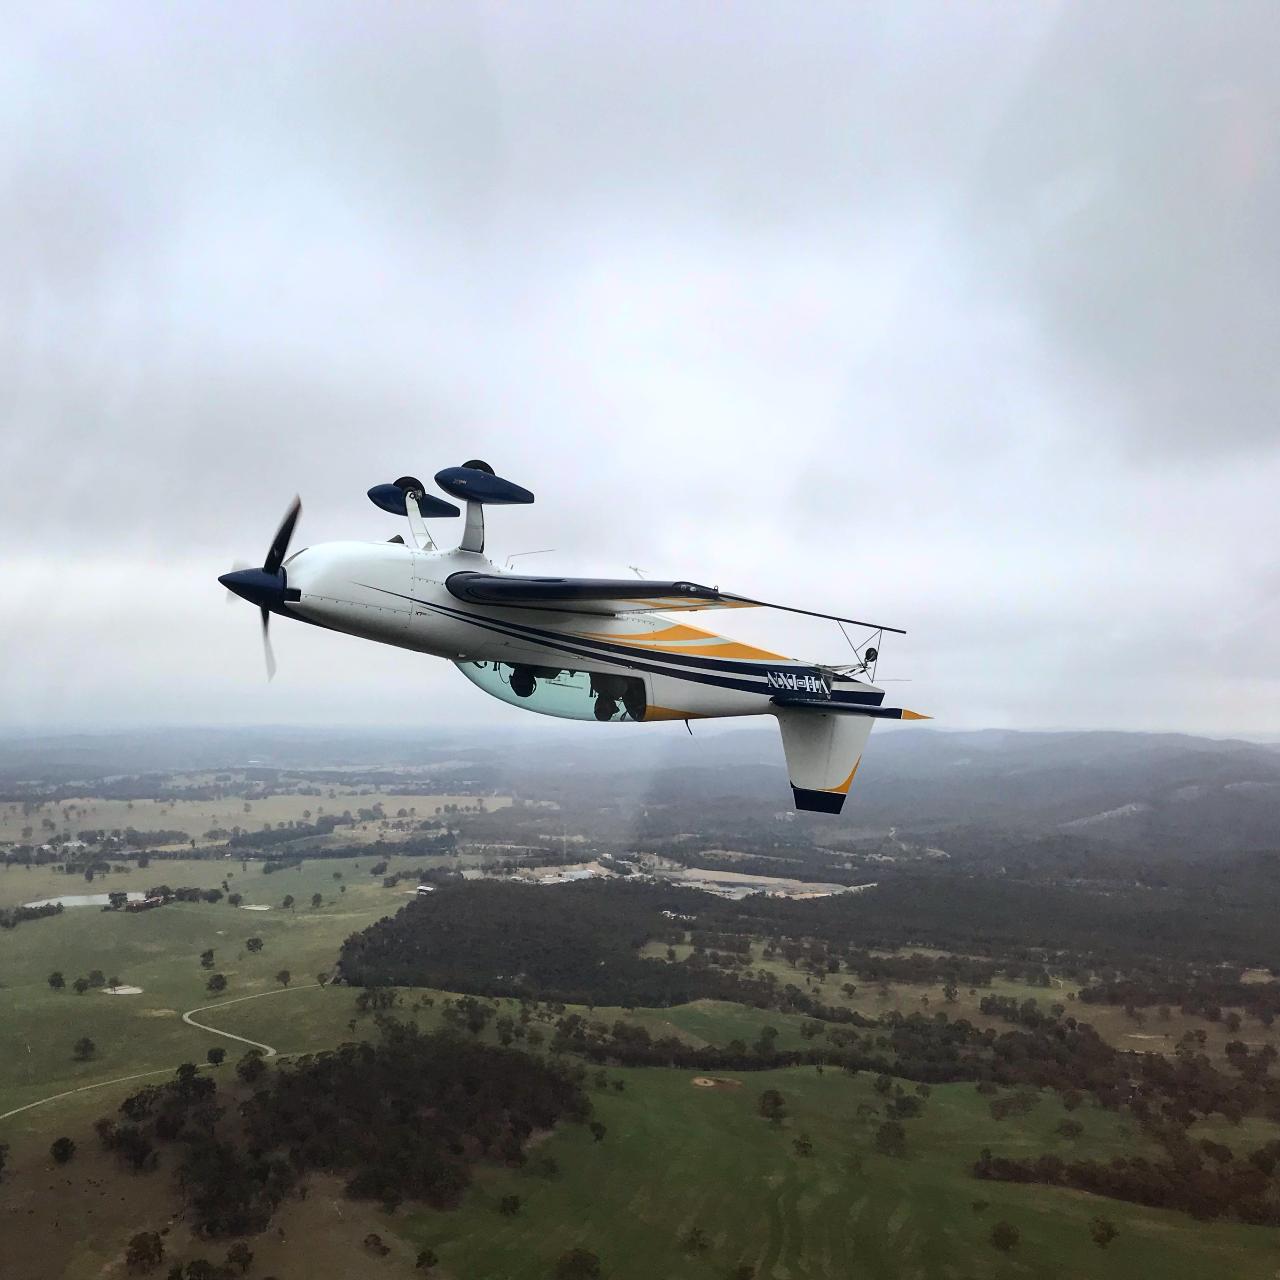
(798,682)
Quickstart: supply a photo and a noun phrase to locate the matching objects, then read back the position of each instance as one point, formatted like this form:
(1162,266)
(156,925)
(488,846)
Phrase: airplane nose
(266,590)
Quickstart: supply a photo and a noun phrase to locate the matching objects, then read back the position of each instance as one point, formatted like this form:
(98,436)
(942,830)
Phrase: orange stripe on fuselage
(675,640)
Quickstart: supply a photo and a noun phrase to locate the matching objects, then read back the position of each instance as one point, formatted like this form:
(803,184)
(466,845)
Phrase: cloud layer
(964,319)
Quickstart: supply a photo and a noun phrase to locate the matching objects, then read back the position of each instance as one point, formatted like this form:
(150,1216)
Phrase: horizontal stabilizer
(848,708)
(394,498)
(476,482)
(823,749)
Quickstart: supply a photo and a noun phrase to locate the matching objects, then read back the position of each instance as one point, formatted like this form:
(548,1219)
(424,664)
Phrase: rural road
(189,1019)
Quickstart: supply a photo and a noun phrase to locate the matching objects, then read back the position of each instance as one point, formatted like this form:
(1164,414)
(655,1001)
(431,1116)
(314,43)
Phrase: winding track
(188,1017)
(268,1051)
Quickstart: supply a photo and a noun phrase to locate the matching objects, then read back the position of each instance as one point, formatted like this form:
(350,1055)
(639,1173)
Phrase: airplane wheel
(522,682)
(606,708)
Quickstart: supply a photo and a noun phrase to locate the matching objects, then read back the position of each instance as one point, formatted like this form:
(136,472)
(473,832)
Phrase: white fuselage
(396,594)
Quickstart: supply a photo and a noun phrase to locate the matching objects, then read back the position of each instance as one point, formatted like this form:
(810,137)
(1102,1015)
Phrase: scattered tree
(217,984)
(891,1139)
(145,1252)
(84,1049)
(1005,1236)
(56,981)
(509,1206)
(253,945)
(697,1241)
(316,900)
(772,1105)
(283,977)
(206,959)
(427,1258)
(597,1130)
(578,1264)
(216,1056)
(287,904)
(1102,1231)
(251,1067)
(62,1150)
(239,1257)
(803,1145)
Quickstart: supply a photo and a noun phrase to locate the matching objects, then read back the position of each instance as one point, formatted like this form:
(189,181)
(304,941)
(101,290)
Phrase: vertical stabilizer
(823,750)
(473,532)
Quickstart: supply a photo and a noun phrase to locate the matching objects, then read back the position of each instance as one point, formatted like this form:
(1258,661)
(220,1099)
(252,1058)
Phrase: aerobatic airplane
(578,648)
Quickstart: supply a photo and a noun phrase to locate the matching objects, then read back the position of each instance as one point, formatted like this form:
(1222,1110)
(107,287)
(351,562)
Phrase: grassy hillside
(674,1156)
(678,1156)
(159,951)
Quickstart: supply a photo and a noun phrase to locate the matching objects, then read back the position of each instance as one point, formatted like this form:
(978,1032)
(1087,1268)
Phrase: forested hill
(1167,794)
(1170,795)
(575,942)
(579,942)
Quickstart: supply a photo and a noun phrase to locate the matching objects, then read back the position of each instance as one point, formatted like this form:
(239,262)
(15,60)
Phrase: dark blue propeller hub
(257,586)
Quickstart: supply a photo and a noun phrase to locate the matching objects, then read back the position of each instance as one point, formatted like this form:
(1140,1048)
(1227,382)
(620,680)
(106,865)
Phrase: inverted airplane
(578,648)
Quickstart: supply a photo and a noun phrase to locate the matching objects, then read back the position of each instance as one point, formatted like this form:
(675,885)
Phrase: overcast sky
(964,318)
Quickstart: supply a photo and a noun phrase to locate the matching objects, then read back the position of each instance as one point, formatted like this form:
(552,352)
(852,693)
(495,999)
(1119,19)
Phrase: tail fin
(823,750)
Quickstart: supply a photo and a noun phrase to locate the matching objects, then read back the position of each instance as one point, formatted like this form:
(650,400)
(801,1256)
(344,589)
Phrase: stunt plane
(578,648)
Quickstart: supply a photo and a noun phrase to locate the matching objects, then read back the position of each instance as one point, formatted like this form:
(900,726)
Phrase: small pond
(81,900)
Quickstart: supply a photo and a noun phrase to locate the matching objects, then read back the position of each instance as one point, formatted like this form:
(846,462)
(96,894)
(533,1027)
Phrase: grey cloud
(920,310)
(1131,197)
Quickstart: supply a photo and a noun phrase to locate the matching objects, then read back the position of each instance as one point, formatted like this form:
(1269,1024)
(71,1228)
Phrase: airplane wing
(612,596)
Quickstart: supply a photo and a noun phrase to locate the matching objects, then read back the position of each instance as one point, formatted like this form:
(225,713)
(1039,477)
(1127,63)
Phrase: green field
(677,1156)
(198,816)
(159,952)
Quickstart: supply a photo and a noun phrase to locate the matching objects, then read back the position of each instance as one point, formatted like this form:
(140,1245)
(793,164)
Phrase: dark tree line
(1203,1179)
(11,917)
(405,1118)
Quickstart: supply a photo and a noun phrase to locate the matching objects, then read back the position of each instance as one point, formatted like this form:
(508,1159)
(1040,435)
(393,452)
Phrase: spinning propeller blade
(266,587)
(280,543)
(267,652)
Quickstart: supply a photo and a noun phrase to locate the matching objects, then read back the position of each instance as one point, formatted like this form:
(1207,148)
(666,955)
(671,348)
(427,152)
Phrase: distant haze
(964,318)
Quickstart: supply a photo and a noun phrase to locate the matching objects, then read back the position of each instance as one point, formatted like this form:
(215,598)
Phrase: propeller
(267,587)
(280,543)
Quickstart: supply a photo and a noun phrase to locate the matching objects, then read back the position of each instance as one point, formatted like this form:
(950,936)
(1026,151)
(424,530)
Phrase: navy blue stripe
(604,650)
(511,632)
(841,707)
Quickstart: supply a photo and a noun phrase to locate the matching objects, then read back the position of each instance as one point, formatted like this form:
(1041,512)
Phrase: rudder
(823,750)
